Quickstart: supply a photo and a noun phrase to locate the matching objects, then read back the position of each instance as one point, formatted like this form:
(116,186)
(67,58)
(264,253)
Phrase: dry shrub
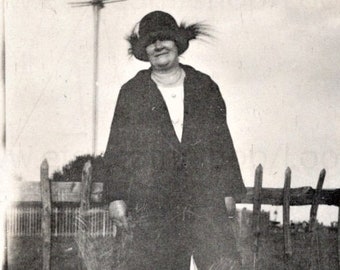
(98,252)
(72,171)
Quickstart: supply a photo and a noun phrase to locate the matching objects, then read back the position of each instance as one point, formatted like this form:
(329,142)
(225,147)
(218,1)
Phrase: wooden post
(315,202)
(257,214)
(45,186)
(313,226)
(86,181)
(286,221)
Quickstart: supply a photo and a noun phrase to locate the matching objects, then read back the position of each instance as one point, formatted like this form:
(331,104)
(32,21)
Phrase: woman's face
(163,55)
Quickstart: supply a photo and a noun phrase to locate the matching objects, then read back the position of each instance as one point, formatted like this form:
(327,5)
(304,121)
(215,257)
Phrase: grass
(271,251)
(25,252)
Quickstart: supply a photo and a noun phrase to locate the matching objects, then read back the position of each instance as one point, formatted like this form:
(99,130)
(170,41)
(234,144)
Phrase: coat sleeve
(117,151)
(232,182)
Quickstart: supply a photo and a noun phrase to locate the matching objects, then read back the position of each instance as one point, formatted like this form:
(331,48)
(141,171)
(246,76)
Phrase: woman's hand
(118,212)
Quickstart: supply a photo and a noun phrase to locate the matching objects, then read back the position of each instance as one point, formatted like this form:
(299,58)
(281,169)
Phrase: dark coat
(150,168)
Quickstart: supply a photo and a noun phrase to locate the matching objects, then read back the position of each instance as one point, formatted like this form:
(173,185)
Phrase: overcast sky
(276,62)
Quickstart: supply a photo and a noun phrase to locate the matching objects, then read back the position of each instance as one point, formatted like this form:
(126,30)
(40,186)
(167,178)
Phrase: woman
(170,156)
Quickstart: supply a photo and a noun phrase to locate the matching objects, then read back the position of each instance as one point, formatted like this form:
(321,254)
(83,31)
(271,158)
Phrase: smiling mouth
(160,54)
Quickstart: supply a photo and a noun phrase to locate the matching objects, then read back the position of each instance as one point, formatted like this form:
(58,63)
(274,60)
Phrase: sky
(276,63)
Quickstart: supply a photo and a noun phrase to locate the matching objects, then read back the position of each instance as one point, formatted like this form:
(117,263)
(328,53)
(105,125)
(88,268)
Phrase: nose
(158,44)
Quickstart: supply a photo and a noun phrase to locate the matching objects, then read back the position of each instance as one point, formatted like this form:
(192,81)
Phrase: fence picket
(16,222)
(37,218)
(286,220)
(313,226)
(33,221)
(46,214)
(257,214)
(13,227)
(21,228)
(68,222)
(73,221)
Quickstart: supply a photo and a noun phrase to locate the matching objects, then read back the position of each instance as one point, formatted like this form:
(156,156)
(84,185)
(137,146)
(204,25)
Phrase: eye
(154,40)
(151,41)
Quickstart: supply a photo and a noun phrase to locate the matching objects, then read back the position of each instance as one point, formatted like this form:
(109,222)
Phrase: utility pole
(4,248)
(3,75)
(97,6)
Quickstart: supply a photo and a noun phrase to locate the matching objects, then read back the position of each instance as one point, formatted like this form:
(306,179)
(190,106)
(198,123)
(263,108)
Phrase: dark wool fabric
(174,190)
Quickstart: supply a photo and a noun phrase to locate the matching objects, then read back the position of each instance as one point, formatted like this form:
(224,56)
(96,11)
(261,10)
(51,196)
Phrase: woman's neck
(167,77)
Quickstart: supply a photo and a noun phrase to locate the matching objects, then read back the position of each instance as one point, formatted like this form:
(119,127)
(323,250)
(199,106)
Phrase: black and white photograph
(170,135)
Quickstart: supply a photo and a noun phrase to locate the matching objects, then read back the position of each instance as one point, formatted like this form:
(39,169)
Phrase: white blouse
(173,95)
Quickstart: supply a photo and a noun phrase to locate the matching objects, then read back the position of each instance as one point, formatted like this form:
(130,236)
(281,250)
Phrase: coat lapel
(188,95)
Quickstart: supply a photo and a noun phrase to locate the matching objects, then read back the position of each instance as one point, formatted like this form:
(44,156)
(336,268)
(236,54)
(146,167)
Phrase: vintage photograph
(170,135)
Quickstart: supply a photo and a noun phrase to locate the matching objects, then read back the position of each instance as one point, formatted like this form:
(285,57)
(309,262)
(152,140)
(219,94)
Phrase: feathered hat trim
(159,25)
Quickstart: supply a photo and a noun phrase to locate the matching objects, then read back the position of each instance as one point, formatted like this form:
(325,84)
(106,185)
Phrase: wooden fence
(288,197)
(50,220)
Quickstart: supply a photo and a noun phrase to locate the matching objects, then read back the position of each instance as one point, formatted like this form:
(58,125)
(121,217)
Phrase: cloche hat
(159,25)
